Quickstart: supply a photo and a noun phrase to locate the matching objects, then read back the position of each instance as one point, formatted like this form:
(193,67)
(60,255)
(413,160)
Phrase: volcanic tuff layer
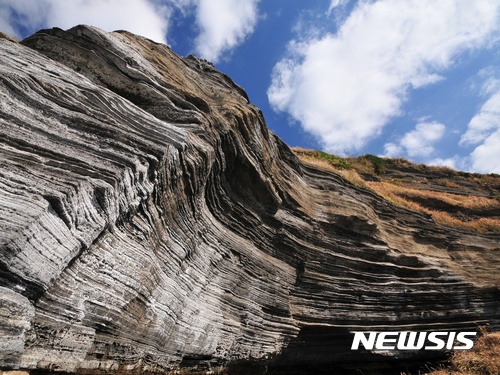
(151,222)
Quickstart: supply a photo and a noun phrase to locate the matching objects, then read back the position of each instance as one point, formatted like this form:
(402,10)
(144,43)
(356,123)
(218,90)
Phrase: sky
(418,79)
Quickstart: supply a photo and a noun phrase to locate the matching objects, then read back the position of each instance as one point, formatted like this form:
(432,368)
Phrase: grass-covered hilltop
(466,200)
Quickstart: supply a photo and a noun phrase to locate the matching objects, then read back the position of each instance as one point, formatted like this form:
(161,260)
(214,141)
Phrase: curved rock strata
(152,223)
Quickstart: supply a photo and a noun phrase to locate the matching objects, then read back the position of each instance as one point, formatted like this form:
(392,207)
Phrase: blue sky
(418,79)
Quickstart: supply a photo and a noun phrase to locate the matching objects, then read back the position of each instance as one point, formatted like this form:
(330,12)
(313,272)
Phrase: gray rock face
(150,222)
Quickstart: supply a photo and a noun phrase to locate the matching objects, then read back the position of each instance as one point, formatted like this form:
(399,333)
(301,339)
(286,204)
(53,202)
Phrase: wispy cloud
(344,87)
(223,24)
(334,4)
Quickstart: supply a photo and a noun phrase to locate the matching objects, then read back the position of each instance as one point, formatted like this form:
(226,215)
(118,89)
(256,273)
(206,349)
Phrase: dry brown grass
(390,191)
(482,359)
(318,163)
(353,177)
(449,184)
(393,193)
(465,201)
(481,225)
(349,174)
(397,193)
(491,180)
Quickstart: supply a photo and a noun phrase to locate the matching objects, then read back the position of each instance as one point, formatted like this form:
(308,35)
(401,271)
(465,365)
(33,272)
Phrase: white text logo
(412,340)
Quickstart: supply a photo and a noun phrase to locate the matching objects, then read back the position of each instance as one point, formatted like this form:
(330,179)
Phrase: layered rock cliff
(152,223)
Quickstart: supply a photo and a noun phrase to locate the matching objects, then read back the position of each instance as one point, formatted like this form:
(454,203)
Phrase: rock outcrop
(152,223)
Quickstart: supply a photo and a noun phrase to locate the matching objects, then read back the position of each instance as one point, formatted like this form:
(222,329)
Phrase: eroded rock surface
(152,223)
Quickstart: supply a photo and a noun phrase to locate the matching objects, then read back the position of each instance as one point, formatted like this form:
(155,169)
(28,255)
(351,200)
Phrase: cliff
(152,223)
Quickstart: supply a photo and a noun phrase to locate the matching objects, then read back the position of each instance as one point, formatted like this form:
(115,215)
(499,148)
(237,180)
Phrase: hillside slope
(469,201)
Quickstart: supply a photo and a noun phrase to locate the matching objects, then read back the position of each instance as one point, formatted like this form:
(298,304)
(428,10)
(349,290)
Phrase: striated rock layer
(152,223)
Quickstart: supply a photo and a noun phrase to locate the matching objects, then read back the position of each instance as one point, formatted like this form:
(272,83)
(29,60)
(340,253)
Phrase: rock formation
(150,222)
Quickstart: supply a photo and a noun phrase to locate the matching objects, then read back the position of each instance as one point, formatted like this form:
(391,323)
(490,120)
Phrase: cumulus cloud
(223,25)
(484,131)
(454,162)
(486,121)
(485,157)
(393,150)
(344,87)
(138,16)
(419,142)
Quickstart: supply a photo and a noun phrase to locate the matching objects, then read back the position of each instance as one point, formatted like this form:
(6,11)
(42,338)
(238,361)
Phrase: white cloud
(484,131)
(223,24)
(334,4)
(485,157)
(5,26)
(419,142)
(138,16)
(344,88)
(392,150)
(26,14)
(486,121)
(454,162)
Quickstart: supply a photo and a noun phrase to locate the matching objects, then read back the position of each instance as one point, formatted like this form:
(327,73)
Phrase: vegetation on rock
(482,359)
(460,199)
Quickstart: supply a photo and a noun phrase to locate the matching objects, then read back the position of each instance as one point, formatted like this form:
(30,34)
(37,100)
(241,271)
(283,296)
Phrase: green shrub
(334,160)
(379,164)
